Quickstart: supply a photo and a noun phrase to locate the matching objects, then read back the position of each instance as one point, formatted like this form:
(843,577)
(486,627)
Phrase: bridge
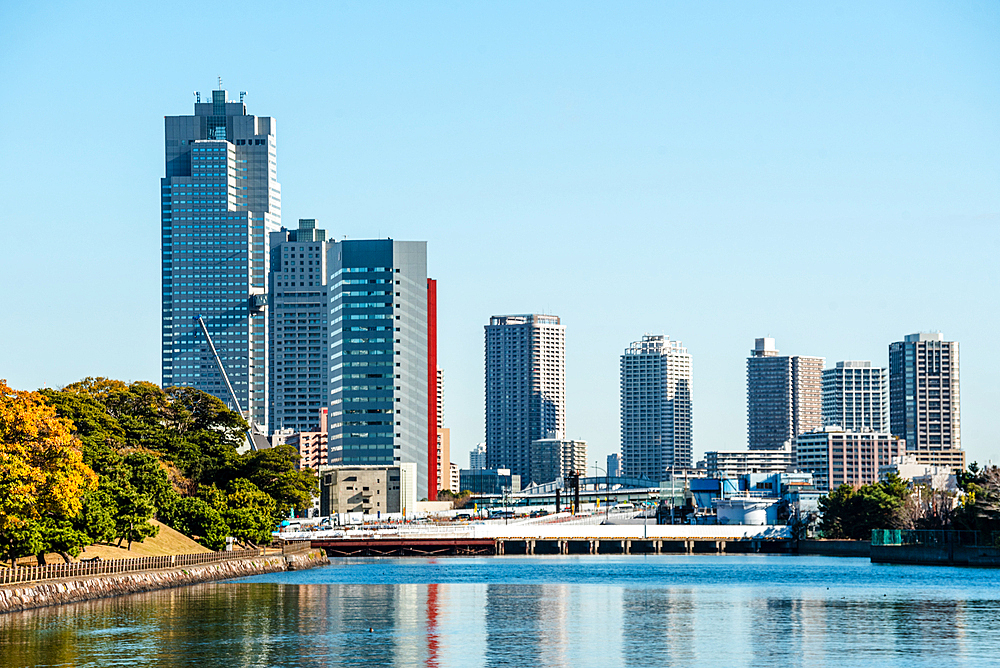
(548,536)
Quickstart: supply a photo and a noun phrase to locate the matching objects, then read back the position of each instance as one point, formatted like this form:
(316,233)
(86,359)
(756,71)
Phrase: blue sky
(824,173)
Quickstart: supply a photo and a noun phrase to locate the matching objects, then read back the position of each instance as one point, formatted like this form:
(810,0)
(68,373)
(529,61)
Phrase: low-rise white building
(369,490)
(734,463)
(938,478)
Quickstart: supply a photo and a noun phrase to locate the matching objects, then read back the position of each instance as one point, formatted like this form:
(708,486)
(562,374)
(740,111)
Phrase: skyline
(657,187)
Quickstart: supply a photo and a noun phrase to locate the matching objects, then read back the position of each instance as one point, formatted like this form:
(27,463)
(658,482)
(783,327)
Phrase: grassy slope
(167,541)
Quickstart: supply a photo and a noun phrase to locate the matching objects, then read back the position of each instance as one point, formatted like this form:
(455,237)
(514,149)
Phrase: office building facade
(856,397)
(477,457)
(924,398)
(379,329)
(656,407)
(784,396)
(220,200)
(298,329)
(613,466)
(836,457)
(553,458)
(525,387)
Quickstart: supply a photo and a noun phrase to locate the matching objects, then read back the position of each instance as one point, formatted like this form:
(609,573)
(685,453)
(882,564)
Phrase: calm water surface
(538,611)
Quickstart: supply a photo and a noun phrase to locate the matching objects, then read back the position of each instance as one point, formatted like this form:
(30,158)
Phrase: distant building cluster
(331,347)
(853,422)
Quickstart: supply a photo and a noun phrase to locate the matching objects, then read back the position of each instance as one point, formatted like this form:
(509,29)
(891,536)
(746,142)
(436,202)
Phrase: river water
(747,610)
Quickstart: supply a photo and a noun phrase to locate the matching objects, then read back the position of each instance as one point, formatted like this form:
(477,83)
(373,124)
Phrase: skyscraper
(525,387)
(477,457)
(856,397)
(784,396)
(220,200)
(924,398)
(379,351)
(298,371)
(655,407)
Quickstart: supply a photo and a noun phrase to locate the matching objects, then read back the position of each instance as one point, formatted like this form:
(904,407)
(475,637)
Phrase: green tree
(194,517)
(148,476)
(273,472)
(62,537)
(980,509)
(97,516)
(853,513)
(132,514)
(248,512)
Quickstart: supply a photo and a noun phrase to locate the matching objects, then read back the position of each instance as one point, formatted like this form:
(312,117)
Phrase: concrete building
(368,490)
(453,479)
(856,397)
(555,457)
(379,352)
(443,438)
(613,467)
(220,199)
(311,445)
(491,482)
(525,387)
(655,407)
(477,457)
(937,478)
(734,463)
(924,399)
(836,457)
(298,330)
(784,396)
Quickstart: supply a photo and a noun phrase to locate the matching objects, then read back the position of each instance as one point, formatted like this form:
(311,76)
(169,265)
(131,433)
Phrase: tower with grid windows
(220,199)
(298,329)
(655,407)
(525,387)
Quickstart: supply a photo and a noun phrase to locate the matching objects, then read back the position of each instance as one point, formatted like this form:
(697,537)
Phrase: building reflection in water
(591,623)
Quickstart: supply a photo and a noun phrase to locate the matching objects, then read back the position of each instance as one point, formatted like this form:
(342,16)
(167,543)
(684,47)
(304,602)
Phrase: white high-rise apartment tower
(220,199)
(525,387)
(655,407)
(856,397)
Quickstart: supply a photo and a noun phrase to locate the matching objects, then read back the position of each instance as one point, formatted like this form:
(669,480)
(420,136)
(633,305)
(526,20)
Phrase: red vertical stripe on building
(432,394)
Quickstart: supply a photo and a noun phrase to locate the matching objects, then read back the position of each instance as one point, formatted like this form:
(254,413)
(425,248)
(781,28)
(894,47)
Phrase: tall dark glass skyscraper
(380,354)
(220,199)
(525,387)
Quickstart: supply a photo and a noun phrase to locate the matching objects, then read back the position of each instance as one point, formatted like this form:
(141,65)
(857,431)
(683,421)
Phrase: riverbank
(14,598)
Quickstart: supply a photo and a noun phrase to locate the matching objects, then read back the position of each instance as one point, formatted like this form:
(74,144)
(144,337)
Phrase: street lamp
(607,488)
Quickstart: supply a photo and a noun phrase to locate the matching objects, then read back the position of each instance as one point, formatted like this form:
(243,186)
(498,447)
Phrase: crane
(229,386)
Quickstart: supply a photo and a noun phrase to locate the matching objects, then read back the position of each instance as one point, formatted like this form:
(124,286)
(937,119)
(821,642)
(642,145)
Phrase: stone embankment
(14,598)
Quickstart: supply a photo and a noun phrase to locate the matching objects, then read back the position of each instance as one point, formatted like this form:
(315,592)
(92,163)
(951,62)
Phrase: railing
(112,566)
(935,537)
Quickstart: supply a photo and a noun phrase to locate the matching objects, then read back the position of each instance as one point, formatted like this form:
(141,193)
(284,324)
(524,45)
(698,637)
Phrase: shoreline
(29,596)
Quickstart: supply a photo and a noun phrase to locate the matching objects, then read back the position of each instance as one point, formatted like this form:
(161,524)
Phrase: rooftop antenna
(197,97)
(243,94)
(220,83)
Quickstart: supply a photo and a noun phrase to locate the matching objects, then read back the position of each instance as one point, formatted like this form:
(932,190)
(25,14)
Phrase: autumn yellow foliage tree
(42,474)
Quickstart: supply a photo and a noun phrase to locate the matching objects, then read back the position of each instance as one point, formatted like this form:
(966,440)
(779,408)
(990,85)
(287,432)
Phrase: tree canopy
(42,475)
(96,460)
(853,513)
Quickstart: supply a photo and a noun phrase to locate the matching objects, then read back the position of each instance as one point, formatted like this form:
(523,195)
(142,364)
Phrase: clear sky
(824,173)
